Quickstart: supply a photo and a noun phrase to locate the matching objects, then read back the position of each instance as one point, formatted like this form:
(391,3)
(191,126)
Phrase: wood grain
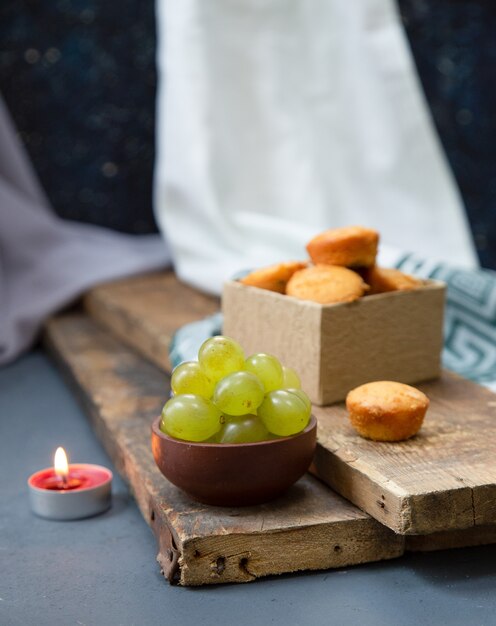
(145,311)
(309,528)
(446,540)
(442,479)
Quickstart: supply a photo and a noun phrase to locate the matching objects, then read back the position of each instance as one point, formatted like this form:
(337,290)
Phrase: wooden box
(391,336)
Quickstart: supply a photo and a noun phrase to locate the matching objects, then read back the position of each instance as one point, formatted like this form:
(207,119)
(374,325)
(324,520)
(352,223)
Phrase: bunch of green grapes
(225,398)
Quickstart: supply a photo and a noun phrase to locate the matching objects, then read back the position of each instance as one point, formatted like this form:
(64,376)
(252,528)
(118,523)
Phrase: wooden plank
(145,311)
(309,528)
(442,479)
(444,540)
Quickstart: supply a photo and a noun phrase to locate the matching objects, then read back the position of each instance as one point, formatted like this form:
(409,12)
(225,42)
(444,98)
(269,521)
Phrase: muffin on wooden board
(351,246)
(386,410)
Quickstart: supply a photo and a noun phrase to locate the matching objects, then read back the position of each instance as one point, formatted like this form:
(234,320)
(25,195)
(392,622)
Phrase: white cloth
(282,118)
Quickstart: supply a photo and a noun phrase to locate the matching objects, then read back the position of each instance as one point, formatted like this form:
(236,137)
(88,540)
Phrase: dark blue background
(79,79)
(454,46)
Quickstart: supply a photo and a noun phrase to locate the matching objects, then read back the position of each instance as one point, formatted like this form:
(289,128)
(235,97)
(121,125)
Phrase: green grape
(291,380)
(301,394)
(190,378)
(214,438)
(284,413)
(238,393)
(190,417)
(220,356)
(267,368)
(243,429)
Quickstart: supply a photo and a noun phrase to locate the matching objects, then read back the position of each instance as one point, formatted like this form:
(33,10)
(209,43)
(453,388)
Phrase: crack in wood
(405,516)
(472,496)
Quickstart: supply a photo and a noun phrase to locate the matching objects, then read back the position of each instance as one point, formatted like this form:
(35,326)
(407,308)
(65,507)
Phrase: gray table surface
(103,570)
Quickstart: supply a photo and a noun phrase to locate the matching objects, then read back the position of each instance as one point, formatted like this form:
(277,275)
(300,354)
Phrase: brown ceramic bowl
(239,474)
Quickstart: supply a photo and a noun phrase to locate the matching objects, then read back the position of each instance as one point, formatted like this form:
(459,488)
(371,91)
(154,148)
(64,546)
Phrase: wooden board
(442,479)
(309,528)
(145,311)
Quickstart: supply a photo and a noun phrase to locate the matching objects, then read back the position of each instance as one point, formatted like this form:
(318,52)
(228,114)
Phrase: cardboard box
(334,348)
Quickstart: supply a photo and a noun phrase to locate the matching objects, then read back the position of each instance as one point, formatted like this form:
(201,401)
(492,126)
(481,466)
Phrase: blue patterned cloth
(470,318)
(469,328)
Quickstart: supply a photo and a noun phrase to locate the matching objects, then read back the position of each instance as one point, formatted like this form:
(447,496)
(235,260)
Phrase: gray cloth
(46,262)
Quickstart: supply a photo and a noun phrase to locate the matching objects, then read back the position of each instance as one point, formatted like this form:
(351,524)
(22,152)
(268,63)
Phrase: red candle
(81,476)
(70,491)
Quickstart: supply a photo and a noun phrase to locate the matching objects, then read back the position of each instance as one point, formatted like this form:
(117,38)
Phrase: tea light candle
(67,492)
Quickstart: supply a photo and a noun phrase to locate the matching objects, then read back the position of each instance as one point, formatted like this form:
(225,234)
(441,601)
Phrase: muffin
(274,277)
(382,280)
(352,246)
(326,284)
(386,410)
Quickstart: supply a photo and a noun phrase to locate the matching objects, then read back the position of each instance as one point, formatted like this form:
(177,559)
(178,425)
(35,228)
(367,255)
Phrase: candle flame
(60,463)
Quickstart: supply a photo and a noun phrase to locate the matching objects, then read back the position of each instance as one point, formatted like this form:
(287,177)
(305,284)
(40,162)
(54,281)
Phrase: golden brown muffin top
(326,284)
(386,398)
(347,246)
